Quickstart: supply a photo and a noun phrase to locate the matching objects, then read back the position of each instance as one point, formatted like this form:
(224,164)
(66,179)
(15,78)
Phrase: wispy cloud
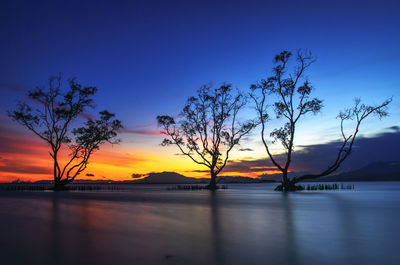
(394,128)
(87,116)
(245,149)
(140,131)
(138,176)
(14,139)
(12,87)
(16,167)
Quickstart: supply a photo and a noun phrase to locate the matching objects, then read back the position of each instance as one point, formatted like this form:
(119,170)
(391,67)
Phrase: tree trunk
(57,182)
(288,184)
(285,181)
(58,185)
(213,182)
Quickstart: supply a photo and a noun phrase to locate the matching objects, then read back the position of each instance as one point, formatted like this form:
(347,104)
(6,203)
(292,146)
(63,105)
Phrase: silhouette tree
(208,128)
(51,118)
(358,113)
(292,92)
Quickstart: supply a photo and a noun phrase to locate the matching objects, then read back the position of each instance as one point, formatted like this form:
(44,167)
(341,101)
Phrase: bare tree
(208,128)
(292,92)
(293,102)
(357,114)
(51,120)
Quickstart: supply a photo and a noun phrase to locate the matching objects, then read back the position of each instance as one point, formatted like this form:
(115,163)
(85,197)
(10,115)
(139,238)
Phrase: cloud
(16,167)
(138,176)
(14,139)
(394,128)
(16,145)
(198,171)
(245,149)
(87,116)
(142,132)
(315,158)
(365,150)
(89,175)
(250,166)
(117,158)
(12,88)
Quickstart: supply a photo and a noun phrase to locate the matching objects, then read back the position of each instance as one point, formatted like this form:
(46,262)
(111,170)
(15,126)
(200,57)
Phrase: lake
(244,224)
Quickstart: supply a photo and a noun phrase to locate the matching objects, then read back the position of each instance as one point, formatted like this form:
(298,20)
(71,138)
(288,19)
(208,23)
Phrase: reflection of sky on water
(246,224)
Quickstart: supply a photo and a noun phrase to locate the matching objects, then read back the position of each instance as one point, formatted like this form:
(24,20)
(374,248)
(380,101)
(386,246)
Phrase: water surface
(244,224)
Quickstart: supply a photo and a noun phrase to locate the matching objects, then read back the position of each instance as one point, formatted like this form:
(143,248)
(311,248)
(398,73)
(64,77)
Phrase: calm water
(245,224)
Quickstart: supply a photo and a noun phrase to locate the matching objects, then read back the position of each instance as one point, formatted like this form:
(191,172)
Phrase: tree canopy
(208,127)
(51,117)
(292,93)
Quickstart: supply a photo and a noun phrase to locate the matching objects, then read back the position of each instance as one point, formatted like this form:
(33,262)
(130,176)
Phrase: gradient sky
(148,57)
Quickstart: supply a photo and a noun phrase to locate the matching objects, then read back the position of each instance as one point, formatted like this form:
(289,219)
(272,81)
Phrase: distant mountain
(238,179)
(168,178)
(271,177)
(377,171)
(175,178)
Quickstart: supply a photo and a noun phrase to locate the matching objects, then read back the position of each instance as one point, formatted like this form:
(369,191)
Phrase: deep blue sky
(147,57)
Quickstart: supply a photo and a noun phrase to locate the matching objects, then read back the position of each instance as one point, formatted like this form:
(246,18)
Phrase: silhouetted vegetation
(23,187)
(71,187)
(292,92)
(193,187)
(208,128)
(328,187)
(357,114)
(51,119)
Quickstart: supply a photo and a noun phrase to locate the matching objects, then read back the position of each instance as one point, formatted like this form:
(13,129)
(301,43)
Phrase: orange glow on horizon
(271,167)
(25,157)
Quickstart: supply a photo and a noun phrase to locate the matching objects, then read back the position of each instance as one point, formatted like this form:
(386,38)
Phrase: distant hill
(271,177)
(232,179)
(377,171)
(175,178)
(168,178)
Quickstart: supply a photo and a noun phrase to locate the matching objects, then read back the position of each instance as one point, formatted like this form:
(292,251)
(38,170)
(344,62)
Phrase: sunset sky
(148,57)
